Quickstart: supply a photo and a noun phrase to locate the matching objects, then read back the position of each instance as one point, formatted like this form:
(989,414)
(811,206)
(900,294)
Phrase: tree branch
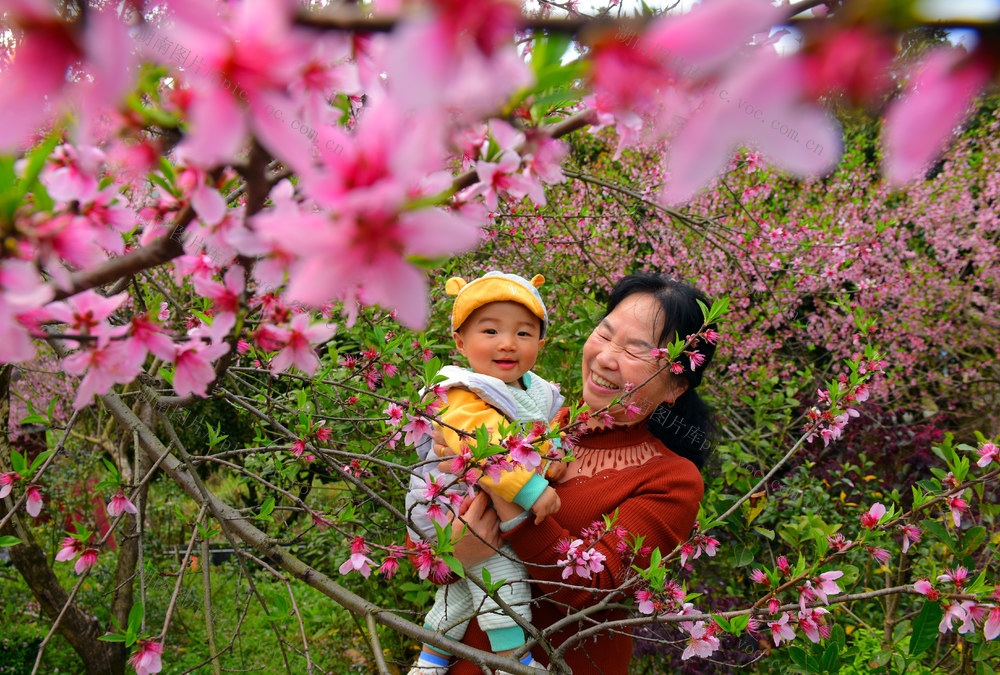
(281,558)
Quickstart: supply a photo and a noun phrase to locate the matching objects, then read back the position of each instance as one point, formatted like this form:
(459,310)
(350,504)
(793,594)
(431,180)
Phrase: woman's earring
(670,404)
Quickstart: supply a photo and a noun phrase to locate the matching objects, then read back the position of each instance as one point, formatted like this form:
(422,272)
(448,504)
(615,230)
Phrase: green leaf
(112,637)
(18,462)
(831,658)
(167,187)
(135,618)
(798,656)
(36,163)
(265,510)
(719,307)
(765,532)
(112,469)
(482,450)
(33,416)
(979,585)
(33,419)
(723,622)
(6,541)
(560,98)
(453,563)
(704,310)
(492,587)
(38,461)
(168,170)
(430,368)
(925,627)
(738,624)
(973,538)
(939,531)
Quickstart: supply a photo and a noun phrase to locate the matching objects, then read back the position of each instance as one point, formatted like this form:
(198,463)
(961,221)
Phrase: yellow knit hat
(494,287)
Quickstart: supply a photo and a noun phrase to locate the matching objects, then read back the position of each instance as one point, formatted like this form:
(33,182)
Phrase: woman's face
(618,353)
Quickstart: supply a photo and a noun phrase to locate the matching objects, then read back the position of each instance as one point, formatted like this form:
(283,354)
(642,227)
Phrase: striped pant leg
(515,592)
(451,611)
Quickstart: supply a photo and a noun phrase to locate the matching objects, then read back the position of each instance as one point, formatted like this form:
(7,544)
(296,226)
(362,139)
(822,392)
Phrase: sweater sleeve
(468,412)
(662,509)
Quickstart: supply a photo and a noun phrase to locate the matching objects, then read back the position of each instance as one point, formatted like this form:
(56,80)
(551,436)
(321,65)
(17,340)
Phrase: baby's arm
(546,505)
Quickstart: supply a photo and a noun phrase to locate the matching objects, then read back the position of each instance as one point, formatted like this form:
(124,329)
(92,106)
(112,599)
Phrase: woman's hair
(687,427)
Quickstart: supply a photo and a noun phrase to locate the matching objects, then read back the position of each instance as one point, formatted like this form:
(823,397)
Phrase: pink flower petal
(757,105)
(919,125)
(218,129)
(208,204)
(711,31)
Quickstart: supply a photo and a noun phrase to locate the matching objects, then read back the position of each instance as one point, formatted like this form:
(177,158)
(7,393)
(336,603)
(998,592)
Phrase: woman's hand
(441,447)
(479,518)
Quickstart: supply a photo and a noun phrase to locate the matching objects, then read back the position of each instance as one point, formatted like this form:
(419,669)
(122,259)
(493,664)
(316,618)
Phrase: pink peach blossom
(147,657)
(701,642)
(911,534)
(646,598)
(299,339)
(826,585)
(120,504)
(958,506)
(193,372)
(812,624)
(48,47)
(925,587)
(102,365)
(951,612)
(781,630)
(85,311)
(991,629)
(872,516)
(70,547)
(956,576)
(7,481)
(937,99)
(748,107)
(988,452)
(33,503)
(358,561)
(86,560)
(395,413)
(21,290)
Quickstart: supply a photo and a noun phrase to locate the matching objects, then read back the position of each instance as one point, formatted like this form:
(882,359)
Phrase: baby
(499,323)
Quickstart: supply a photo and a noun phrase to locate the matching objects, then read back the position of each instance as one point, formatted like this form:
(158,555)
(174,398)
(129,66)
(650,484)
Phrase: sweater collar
(617,436)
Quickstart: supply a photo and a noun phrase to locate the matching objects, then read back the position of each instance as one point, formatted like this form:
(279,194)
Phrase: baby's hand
(555,470)
(546,505)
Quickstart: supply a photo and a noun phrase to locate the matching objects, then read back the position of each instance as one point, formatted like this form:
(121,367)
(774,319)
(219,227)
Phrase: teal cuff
(531,491)
(502,639)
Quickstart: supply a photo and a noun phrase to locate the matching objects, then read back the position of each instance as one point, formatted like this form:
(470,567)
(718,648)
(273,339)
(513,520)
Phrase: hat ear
(454,285)
(537,280)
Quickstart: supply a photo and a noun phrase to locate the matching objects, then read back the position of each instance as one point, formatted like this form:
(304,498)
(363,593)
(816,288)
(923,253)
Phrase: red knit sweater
(658,499)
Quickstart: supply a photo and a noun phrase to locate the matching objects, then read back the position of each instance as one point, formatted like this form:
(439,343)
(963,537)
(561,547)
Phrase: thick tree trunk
(81,629)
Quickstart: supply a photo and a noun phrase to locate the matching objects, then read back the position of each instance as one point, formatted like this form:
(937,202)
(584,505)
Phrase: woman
(628,468)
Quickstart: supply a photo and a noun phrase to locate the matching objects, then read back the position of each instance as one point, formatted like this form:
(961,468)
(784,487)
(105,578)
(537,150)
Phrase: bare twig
(55,624)
(180,576)
(206,588)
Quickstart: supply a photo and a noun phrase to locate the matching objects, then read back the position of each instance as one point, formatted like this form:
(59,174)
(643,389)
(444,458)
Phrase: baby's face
(500,339)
